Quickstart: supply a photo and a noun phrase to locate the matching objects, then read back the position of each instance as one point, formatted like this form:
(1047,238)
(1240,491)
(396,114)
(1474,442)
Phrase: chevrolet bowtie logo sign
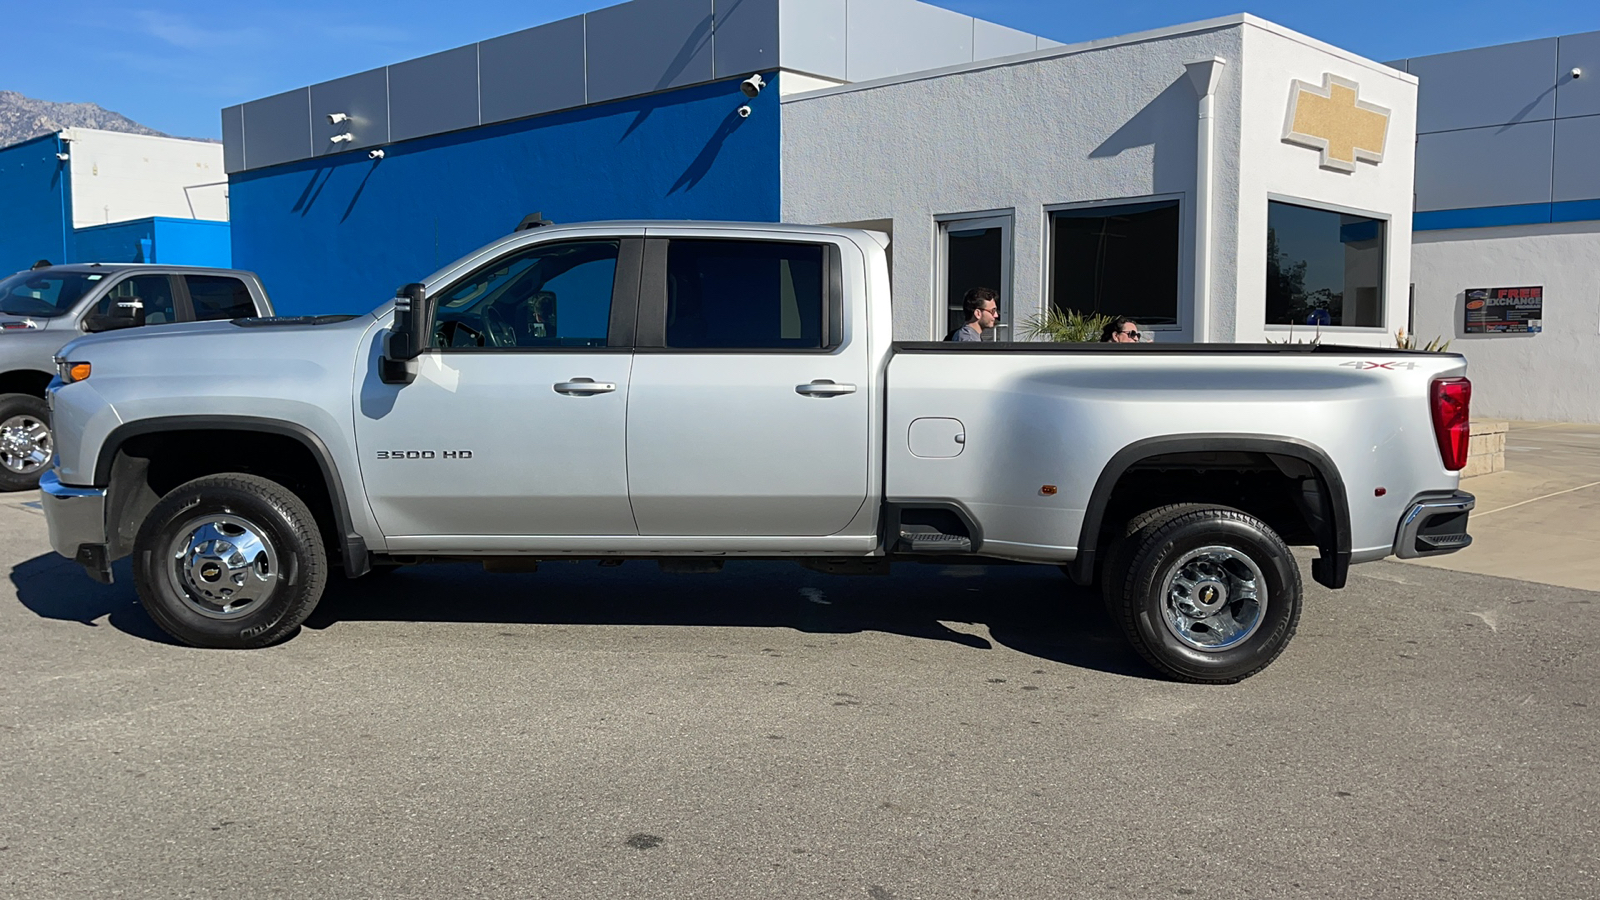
(1332,119)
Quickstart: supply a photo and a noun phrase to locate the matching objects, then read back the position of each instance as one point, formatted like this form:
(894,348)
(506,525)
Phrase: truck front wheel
(229,561)
(1211,595)
(25,446)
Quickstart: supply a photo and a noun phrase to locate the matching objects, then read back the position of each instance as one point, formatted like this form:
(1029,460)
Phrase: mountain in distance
(23,118)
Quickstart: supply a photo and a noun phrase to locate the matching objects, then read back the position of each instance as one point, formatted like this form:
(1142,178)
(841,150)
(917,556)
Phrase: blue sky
(173,64)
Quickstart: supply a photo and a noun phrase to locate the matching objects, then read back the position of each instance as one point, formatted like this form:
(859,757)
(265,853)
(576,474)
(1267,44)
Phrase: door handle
(583,387)
(823,387)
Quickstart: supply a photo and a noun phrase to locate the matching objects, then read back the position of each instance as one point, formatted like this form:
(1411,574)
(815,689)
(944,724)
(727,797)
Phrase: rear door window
(756,295)
(219,297)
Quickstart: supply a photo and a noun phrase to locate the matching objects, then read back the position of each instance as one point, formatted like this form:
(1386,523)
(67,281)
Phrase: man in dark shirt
(982,308)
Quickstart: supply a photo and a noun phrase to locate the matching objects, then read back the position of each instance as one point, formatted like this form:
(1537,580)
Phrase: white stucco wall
(1552,375)
(1271,168)
(1111,120)
(117,177)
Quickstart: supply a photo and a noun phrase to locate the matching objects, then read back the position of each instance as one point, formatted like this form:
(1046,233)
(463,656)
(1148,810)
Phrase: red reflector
(1451,425)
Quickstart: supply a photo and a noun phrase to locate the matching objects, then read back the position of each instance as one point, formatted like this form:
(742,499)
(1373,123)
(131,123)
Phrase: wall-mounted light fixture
(752,85)
(342,138)
(336,118)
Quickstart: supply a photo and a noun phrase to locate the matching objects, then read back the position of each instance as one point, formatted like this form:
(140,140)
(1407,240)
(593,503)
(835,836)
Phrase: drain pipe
(1204,75)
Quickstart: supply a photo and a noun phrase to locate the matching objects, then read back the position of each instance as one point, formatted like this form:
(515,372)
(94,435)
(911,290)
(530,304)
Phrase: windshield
(44,294)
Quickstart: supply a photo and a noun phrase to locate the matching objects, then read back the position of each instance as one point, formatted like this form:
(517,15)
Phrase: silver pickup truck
(43,308)
(693,393)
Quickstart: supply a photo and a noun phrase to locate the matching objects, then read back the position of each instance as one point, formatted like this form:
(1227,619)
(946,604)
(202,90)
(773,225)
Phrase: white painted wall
(117,177)
(1275,57)
(1552,375)
(1104,121)
(1108,121)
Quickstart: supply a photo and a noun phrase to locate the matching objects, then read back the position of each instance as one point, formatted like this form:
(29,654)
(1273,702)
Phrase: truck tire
(229,561)
(1212,595)
(1117,568)
(25,442)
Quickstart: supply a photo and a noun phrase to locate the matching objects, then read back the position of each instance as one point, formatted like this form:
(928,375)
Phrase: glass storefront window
(1324,268)
(1117,261)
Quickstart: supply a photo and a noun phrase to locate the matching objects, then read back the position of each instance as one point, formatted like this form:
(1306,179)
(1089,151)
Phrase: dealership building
(1228,180)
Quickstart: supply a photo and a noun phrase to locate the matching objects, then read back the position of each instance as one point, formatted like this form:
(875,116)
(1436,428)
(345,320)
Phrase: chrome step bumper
(1435,524)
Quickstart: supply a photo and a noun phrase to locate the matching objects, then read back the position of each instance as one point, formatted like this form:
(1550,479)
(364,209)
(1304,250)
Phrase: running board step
(919,540)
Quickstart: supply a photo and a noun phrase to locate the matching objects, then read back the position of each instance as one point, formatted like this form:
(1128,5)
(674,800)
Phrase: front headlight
(70,372)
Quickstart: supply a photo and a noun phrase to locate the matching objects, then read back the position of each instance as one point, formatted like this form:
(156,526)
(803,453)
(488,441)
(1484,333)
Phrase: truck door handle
(823,387)
(583,387)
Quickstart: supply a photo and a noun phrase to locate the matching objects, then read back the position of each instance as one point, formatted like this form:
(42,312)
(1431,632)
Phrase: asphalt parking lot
(773,732)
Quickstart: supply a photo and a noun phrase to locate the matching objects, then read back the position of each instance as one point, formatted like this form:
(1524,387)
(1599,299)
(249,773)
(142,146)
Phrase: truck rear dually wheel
(229,561)
(1210,594)
(25,443)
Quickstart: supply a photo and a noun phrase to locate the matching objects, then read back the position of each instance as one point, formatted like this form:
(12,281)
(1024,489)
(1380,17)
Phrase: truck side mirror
(125,313)
(408,336)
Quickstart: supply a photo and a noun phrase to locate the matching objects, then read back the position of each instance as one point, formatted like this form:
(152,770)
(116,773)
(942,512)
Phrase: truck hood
(194,348)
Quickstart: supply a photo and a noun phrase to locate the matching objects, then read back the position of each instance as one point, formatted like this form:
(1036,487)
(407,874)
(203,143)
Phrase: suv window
(219,297)
(548,295)
(154,291)
(728,294)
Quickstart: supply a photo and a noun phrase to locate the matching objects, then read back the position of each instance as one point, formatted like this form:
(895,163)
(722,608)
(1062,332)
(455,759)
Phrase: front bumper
(77,520)
(1434,524)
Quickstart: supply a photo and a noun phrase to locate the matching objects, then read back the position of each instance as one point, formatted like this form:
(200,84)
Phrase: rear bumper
(1434,524)
(77,521)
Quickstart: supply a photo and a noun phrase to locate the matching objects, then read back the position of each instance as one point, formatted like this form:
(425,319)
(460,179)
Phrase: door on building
(975,251)
(749,412)
(515,424)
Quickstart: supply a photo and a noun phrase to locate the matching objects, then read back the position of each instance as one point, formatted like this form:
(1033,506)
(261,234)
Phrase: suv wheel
(229,561)
(25,444)
(1211,595)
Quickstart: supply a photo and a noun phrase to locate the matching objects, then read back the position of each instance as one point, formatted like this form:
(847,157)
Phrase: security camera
(63,157)
(1577,72)
(752,85)
(342,138)
(744,111)
(375,154)
(336,118)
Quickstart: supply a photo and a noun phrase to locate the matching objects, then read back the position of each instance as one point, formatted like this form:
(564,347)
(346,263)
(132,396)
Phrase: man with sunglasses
(1121,330)
(982,308)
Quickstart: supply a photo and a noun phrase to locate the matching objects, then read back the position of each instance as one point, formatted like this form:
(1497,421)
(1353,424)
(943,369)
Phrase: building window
(1324,268)
(975,252)
(1117,261)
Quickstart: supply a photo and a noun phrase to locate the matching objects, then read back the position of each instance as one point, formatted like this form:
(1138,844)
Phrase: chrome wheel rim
(25,444)
(1214,599)
(224,566)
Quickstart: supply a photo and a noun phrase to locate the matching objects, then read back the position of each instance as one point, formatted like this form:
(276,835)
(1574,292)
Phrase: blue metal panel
(1499,85)
(894,37)
(1488,217)
(277,129)
(118,242)
(1575,211)
(36,221)
(363,97)
(434,94)
(1504,166)
(338,234)
(747,36)
(811,34)
(1577,159)
(233,139)
(1578,96)
(990,41)
(530,72)
(193,242)
(648,45)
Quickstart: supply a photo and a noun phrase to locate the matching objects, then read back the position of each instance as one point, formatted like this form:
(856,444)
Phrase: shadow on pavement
(57,588)
(1030,609)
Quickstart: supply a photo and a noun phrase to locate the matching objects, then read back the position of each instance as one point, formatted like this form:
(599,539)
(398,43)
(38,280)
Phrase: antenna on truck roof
(532,220)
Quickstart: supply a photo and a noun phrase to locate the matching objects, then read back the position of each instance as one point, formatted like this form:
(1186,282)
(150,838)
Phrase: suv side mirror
(125,313)
(408,336)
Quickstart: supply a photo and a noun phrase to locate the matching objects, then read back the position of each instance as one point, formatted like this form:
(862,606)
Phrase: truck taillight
(1451,425)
